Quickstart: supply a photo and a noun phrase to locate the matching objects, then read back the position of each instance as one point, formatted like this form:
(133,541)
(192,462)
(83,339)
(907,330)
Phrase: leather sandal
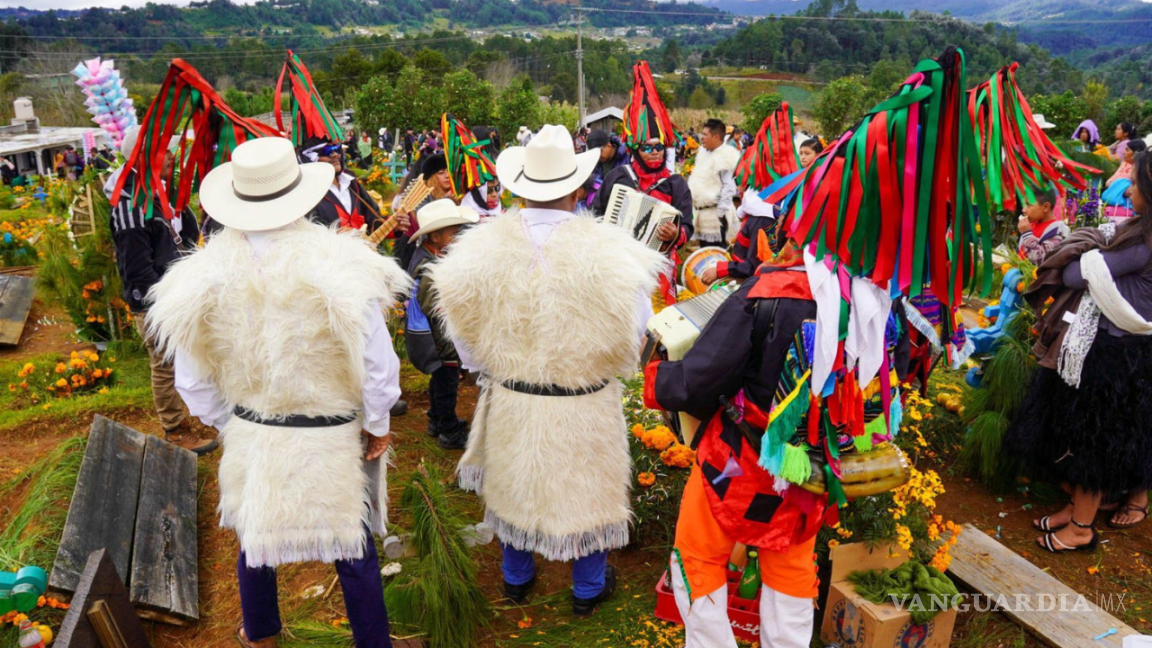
(1045,524)
(1053,544)
(1128,508)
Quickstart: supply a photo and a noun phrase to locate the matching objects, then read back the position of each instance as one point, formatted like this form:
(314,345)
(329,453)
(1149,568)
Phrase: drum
(697,263)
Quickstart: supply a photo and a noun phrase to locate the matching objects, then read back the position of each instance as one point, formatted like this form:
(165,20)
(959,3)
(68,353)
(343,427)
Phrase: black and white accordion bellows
(640,214)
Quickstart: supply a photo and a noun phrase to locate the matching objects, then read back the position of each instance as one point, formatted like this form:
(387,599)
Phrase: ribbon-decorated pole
(185,102)
(469,165)
(772,154)
(310,117)
(645,116)
(1016,153)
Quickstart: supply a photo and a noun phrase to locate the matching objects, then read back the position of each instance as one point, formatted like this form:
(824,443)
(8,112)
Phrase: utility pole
(580,62)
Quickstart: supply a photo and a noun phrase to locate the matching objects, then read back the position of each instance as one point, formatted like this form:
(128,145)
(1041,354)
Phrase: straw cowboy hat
(1043,123)
(547,168)
(442,213)
(264,187)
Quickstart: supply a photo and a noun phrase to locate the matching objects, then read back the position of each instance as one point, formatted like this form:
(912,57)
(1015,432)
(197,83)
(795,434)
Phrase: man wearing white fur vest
(549,308)
(279,341)
(713,187)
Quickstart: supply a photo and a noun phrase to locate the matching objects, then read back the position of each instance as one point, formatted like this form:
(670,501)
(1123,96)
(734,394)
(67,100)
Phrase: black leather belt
(551,390)
(294,420)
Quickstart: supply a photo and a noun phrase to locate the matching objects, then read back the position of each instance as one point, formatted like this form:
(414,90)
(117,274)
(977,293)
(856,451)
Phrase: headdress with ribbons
(310,117)
(185,102)
(645,116)
(1016,153)
(469,165)
(896,205)
(772,154)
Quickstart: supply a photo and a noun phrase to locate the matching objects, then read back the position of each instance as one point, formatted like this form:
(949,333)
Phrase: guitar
(416,192)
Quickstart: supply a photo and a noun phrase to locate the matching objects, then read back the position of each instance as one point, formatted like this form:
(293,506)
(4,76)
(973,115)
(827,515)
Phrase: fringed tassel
(783,421)
(560,548)
(470,478)
(961,355)
(896,415)
(795,468)
(918,322)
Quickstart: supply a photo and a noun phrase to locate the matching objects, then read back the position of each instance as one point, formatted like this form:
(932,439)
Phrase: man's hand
(709,275)
(403,221)
(667,232)
(1022,225)
(377,446)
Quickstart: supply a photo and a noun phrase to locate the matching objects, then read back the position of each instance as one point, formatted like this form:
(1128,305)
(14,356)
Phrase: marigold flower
(61,367)
(638,431)
(61,383)
(525,623)
(646,479)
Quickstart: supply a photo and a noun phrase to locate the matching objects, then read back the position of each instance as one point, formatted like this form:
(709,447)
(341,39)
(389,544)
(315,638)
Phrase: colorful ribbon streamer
(469,165)
(772,154)
(645,116)
(310,117)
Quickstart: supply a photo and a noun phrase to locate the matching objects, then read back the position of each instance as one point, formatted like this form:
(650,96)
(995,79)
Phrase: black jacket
(746,249)
(325,212)
(675,186)
(146,247)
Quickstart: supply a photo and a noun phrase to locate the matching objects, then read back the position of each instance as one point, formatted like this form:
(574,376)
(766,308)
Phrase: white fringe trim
(961,355)
(560,548)
(917,321)
(272,551)
(470,478)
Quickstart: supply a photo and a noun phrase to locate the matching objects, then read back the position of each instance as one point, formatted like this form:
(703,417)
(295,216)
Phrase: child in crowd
(429,347)
(809,149)
(750,249)
(1040,231)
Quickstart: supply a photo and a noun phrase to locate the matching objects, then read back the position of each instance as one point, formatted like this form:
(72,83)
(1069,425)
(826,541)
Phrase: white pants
(785,621)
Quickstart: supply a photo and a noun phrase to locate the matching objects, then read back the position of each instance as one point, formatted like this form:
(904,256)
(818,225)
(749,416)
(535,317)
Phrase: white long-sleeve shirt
(381,387)
(540,223)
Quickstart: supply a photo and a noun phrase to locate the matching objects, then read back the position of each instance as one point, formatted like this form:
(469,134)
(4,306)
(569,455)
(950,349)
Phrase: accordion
(672,332)
(640,214)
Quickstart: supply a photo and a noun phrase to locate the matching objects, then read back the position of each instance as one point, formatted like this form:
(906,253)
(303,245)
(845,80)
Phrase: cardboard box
(852,622)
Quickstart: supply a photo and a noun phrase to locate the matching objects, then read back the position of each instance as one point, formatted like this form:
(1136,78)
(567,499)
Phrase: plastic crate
(744,615)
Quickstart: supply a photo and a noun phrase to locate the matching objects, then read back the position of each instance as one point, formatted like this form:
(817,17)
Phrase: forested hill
(304,18)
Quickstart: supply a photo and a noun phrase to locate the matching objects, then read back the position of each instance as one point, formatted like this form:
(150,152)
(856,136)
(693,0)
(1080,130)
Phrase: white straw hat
(264,187)
(1042,122)
(442,213)
(547,168)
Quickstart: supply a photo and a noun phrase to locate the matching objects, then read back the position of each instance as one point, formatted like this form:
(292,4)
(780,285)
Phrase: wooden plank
(99,584)
(995,571)
(15,303)
(103,510)
(164,577)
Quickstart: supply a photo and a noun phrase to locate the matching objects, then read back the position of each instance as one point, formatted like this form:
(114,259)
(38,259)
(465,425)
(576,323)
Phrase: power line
(928,18)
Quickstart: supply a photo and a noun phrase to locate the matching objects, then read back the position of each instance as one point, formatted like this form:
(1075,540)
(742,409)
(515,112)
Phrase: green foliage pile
(439,593)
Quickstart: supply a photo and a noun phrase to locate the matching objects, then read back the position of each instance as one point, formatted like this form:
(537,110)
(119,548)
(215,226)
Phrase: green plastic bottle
(749,585)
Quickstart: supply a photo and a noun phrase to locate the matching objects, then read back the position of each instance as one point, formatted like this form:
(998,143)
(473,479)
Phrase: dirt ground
(1122,565)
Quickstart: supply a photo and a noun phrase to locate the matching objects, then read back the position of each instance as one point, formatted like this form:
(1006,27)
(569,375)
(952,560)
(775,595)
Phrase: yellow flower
(659,438)
(103,390)
(1093,570)
(78,363)
(97,374)
(832,544)
(61,383)
(646,479)
(638,431)
(61,367)
(678,456)
(903,537)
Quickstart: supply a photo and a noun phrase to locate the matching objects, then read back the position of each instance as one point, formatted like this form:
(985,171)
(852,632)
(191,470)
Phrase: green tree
(757,110)
(470,99)
(670,59)
(563,87)
(518,106)
(560,112)
(699,99)
(1095,95)
(1125,109)
(349,71)
(432,64)
(886,77)
(1065,110)
(839,105)
(389,63)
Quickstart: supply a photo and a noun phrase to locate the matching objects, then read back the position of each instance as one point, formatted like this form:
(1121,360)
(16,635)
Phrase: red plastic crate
(744,615)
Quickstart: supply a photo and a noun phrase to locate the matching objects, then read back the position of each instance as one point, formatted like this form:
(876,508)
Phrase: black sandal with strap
(1128,508)
(1044,525)
(1053,544)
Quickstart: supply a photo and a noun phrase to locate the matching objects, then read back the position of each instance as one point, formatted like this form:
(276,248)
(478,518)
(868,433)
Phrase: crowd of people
(267,314)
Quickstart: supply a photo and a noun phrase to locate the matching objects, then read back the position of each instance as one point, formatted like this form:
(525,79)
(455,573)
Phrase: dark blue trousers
(363,599)
(587,572)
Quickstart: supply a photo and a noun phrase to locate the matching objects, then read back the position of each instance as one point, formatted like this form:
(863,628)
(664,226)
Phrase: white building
(32,147)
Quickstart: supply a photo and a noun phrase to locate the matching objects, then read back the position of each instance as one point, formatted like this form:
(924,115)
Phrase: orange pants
(705,549)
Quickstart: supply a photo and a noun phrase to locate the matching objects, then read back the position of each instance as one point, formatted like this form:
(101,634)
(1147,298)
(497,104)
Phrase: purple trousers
(363,599)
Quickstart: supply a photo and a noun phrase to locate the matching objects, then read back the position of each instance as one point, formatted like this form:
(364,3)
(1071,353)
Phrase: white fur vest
(281,335)
(554,471)
(705,179)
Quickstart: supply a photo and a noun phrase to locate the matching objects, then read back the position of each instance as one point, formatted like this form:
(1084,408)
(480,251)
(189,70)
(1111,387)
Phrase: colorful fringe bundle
(185,102)
(645,116)
(772,154)
(469,165)
(885,203)
(310,117)
(1016,153)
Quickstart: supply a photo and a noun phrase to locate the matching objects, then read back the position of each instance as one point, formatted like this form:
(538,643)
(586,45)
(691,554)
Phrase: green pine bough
(439,593)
